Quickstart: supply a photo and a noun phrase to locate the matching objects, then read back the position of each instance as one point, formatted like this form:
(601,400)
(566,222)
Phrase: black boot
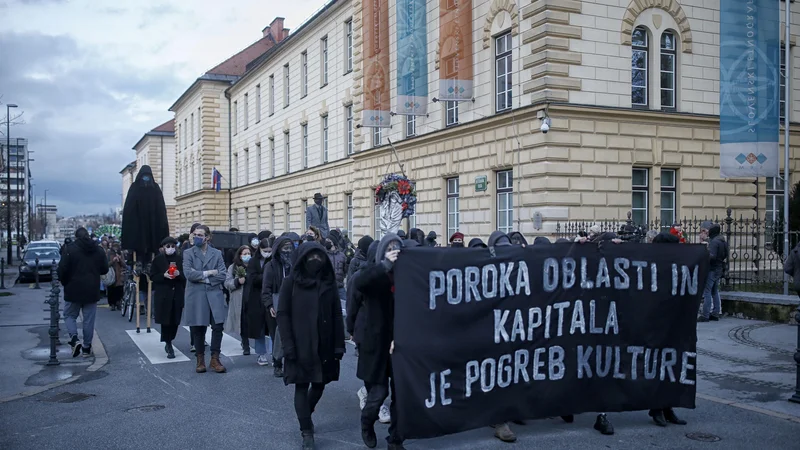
(603,425)
(396,446)
(669,414)
(170,351)
(658,417)
(307,431)
(245,346)
(368,435)
(278,372)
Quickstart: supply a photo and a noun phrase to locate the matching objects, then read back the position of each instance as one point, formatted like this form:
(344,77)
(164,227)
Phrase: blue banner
(749,88)
(412,58)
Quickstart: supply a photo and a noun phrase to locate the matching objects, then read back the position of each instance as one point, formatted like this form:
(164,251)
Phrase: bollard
(55,287)
(53,332)
(796,397)
(2,273)
(36,274)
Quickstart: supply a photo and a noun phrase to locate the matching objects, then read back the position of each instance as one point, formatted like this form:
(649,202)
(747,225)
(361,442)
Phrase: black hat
(318,196)
(169,240)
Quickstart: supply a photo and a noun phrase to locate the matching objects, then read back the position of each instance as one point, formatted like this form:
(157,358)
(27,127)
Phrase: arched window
(639,66)
(668,70)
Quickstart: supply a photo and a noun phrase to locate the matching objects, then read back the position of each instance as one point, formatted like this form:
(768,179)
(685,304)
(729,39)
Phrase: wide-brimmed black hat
(318,196)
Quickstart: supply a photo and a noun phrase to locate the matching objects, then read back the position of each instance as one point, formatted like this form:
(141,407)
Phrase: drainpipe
(230,164)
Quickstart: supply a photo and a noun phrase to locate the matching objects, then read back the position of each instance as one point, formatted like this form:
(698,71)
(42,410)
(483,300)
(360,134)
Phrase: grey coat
(318,220)
(204,295)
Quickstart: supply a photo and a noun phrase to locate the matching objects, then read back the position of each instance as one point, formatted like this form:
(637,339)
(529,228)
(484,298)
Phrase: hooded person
(253,241)
(417,235)
(476,243)
(498,239)
(518,239)
(457,240)
(144,216)
(718,256)
(169,286)
(540,240)
(255,317)
(430,241)
(360,257)
(278,268)
(79,271)
(312,329)
(401,234)
(376,284)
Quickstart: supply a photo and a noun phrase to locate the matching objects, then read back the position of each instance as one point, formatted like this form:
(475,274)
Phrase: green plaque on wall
(480,183)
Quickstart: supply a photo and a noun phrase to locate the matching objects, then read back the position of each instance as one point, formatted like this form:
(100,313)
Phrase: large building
(21,188)
(128,177)
(48,217)
(157,150)
(630,93)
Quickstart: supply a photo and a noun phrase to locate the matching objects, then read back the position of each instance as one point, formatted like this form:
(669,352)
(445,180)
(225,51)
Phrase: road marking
(230,345)
(151,346)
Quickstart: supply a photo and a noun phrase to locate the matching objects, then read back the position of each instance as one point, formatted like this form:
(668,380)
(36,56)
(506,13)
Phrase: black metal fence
(755,263)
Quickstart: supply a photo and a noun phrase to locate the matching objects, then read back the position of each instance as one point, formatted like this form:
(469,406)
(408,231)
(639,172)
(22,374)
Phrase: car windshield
(43,255)
(43,245)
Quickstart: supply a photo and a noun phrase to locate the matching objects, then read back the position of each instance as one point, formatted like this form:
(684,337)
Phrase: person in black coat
(312,330)
(376,284)
(279,266)
(169,286)
(360,258)
(255,317)
(79,271)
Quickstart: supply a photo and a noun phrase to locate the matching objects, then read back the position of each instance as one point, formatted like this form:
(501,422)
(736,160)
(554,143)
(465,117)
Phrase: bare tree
(14,119)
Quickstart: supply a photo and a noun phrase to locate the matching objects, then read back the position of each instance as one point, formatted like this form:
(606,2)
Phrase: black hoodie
(360,258)
(717,247)
(274,273)
(417,235)
(81,266)
(355,300)
(498,239)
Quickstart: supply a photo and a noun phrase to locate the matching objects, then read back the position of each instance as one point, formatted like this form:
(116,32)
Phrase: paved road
(135,403)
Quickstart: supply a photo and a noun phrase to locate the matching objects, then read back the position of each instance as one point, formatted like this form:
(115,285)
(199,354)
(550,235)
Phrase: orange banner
(377,94)
(455,50)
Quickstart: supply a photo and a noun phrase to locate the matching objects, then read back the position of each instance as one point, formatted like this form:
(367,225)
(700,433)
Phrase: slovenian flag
(216,179)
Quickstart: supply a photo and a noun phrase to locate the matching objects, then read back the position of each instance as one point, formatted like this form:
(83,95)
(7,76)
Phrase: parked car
(46,244)
(46,255)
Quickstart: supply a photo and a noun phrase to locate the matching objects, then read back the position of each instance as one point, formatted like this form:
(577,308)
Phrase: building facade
(157,150)
(19,188)
(48,215)
(631,94)
(128,177)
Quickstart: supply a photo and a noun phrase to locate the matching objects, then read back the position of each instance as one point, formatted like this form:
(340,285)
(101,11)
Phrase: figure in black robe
(144,217)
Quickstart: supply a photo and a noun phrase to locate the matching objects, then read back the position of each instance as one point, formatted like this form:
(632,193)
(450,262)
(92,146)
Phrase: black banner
(486,336)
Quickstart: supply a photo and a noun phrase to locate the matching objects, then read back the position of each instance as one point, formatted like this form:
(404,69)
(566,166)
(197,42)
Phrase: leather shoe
(669,414)
(368,435)
(658,417)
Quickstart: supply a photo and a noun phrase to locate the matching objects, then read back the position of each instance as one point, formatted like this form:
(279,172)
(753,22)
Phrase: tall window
(246,111)
(668,70)
(258,218)
(235,117)
(236,169)
(286,85)
(304,74)
(286,165)
(348,114)
(451,113)
(303,209)
(192,135)
(271,216)
(640,185)
(304,130)
(348,45)
(272,157)
(377,135)
(505,201)
(199,174)
(452,206)
(639,58)
(782,110)
(199,124)
(286,217)
(247,166)
(668,197)
(411,126)
(185,130)
(258,162)
(271,95)
(323,63)
(774,201)
(324,139)
(348,199)
(502,65)
(180,136)
(258,103)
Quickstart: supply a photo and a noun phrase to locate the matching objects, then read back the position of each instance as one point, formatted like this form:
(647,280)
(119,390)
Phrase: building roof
(130,165)
(168,126)
(166,129)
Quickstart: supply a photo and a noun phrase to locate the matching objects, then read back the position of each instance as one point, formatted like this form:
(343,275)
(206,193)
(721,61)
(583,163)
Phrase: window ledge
(347,72)
(303,96)
(323,85)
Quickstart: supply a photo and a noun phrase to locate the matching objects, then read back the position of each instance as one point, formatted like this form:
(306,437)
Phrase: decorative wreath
(405,189)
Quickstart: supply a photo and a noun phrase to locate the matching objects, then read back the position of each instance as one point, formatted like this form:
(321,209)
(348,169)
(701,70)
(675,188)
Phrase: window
(258,103)
(303,74)
(505,201)
(199,174)
(782,110)
(199,124)
(668,197)
(411,126)
(303,209)
(258,162)
(192,134)
(640,186)
(668,70)
(180,137)
(639,42)
(246,112)
(258,219)
(304,129)
(246,166)
(377,213)
(502,64)
(323,63)
(286,85)
(271,216)
(348,45)
(348,113)
(451,113)
(377,135)
(271,95)
(235,117)
(272,157)
(286,166)
(236,168)
(348,200)
(324,139)
(185,128)
(286,217)
(774,202)
(452,206)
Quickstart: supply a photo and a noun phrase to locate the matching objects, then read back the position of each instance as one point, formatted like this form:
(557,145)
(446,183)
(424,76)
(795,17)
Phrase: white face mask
(254,242)
(265,253)
(170,251)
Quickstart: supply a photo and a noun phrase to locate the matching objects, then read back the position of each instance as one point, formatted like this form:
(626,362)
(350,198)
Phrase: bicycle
(130,291)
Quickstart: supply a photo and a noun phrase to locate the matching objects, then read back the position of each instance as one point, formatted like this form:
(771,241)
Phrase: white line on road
(151,346)
(230,345)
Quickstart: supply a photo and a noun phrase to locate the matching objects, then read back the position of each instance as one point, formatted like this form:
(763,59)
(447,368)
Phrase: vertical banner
(749,88)
(377,95)
(412,58)
(455,50)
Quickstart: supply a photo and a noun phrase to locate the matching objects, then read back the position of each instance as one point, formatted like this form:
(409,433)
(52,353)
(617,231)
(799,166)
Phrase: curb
(747,407)
(100,360)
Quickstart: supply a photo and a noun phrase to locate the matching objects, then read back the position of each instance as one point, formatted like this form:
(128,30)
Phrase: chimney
(276,30)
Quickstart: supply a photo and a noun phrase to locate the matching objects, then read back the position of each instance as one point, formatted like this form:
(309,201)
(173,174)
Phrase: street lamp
(45,214)
(8,179)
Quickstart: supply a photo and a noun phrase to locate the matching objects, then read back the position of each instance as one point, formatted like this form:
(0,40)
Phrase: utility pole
(8,180)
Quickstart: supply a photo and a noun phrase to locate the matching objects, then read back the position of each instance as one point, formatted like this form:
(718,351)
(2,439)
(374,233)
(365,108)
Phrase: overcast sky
(92,76)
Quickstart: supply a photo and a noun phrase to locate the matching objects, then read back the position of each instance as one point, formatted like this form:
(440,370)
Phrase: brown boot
(201,363)
(215,365)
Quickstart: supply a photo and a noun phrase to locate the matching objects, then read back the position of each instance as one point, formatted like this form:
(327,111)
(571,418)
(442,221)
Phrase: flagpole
(787,112)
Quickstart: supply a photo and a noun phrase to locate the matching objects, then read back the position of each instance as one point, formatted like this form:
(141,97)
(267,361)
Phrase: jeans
(261,345)
(376,395)
(305,401)
(711,293)
(71,311)
(199,336)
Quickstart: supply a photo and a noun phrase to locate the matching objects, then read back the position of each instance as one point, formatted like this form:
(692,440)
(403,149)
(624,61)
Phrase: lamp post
(45,214)
(8,179)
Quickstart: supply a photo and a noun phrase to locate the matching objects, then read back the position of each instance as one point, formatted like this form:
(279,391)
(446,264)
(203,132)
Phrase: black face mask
(328,245)
(318,201)
(313,266)
(457,244)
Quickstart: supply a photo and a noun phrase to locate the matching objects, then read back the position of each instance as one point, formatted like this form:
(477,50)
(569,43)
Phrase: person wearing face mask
(311,327)
(275,272)
(169,285)
(234,283)
(254,314)
(339,262)
(457,240)
(252,240)
(317,216)
(204,301)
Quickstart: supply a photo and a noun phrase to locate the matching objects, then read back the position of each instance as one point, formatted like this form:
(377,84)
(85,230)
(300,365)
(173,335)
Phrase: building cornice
(213,78)
(153,133)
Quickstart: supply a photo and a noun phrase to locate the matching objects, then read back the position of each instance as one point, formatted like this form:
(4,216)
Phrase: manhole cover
(703,437)
(68,397)
(146,408)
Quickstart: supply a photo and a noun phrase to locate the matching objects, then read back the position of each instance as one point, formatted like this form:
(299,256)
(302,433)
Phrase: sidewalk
(748,364)
(26,349)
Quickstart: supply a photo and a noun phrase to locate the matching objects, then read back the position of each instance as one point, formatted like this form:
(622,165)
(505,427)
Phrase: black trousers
(376,395)
(168,332)
(115,294)
(199,336)
(306,397)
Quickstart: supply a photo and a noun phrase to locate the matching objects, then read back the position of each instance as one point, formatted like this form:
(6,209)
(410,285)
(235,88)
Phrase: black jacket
(273,274)
(792,267)
(355,321)
(81,266)
(717,248)
(169,294)
(257,317)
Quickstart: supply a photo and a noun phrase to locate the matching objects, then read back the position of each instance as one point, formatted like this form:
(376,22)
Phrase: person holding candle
(169,285)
